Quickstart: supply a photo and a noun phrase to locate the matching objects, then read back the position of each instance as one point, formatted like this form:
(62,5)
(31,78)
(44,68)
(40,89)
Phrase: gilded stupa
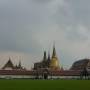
(51,63)
(54,64)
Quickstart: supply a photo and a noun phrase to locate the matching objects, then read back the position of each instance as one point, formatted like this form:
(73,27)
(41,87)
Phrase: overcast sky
(28,27)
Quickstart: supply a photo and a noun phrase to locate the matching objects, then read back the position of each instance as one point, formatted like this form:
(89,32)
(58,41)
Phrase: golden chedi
(54,64)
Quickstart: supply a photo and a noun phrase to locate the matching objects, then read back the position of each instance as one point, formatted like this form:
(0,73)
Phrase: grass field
(44,84)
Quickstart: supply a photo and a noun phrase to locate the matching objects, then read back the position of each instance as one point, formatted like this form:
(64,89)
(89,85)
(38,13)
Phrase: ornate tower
(44,62)
(48,60)
(54,63)
(44,57)
(48,57)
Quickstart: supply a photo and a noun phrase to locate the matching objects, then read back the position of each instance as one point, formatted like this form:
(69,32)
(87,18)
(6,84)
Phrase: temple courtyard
(27,84)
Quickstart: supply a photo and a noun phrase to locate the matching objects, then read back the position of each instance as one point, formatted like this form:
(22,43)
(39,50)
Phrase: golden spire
(54,64)
(54,51)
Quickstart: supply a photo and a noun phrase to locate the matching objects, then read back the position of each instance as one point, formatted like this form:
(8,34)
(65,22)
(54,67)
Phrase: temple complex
(48,68)
(51,63)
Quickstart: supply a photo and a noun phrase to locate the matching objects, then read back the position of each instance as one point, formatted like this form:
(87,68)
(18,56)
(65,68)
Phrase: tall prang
(54,64)
(45,56)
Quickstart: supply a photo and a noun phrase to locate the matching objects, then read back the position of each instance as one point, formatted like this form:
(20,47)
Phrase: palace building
(47,68)
(51,63)
(10,66)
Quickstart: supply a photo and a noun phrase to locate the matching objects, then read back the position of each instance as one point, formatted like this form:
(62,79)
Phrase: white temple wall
(33,77)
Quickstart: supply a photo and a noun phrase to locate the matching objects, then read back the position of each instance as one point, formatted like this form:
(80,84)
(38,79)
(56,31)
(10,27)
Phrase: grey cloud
(75,12)
(23,23)
(13,28)
(42,1)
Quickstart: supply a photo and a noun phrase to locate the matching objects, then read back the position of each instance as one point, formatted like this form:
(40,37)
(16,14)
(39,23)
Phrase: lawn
(44,84)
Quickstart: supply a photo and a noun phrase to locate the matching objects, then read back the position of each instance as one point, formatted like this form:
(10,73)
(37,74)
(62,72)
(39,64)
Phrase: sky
(28,27)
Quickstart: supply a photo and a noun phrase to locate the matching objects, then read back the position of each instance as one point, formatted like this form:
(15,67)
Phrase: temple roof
(80,64)
(9,64)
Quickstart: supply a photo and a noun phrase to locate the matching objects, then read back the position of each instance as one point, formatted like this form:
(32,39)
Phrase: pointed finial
(9,58)
(44,57)
(48,55)
(54,50)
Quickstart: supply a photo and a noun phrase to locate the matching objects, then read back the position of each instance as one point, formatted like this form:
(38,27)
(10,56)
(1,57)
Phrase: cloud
(31,26)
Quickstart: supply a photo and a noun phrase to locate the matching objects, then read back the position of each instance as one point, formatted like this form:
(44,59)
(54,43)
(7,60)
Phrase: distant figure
(84,74)
(45,75)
